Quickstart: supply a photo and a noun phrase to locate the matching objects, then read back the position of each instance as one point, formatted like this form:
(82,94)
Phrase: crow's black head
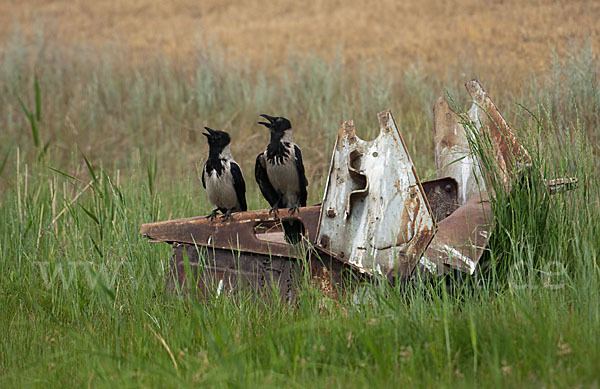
(216,139)
(276,124)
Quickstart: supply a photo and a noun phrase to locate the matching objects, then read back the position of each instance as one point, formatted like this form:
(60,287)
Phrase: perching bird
(279,170)
(222,177)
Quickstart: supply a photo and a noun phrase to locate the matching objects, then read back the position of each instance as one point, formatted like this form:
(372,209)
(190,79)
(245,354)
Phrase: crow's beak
(271,119)
(210,132)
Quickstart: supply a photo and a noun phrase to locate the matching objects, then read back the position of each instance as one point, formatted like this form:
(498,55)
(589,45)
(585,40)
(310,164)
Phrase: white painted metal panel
(374,214)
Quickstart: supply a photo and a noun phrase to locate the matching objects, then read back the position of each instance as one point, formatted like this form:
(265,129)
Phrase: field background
(509,37)
(101,107)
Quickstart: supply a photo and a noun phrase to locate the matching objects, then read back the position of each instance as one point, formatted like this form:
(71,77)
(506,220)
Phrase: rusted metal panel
(255,232)
(509,153)
(453,155)
(460,238)
(213,272)
(247,253)
(375,215)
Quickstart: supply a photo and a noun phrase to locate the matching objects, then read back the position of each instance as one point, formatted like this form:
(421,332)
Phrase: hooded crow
(222,177)
(279,170)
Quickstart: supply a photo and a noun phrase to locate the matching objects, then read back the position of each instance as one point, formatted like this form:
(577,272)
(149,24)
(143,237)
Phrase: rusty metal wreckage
(376,219)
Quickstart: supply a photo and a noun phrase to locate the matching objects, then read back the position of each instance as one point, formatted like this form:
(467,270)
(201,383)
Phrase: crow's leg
(226,215)
(294,209)
(212,215)
(275,208)
(274,211)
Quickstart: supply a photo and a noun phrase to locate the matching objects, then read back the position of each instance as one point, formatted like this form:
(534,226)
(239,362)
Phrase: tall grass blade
(38,98)
(32,123)
(4,161)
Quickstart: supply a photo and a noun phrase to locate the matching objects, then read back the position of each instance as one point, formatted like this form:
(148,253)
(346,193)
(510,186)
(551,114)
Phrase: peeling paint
(386,213)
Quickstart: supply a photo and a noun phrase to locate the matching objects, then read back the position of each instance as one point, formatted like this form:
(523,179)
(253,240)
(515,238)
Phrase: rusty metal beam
(255,232)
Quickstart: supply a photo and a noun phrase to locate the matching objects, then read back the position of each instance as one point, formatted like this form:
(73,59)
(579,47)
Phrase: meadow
(92,148)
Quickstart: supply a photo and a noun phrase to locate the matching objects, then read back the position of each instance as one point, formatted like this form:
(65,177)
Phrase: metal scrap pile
(376,219)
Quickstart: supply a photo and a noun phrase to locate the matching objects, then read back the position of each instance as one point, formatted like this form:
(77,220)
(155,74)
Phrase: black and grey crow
(279,170)
(222,177)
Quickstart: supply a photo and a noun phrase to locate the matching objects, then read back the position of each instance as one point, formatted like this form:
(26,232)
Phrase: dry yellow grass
(507,38)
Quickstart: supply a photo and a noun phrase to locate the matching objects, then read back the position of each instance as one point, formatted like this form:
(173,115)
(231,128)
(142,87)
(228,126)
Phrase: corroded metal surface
(214,271)
(559,185)
(224,270)
(209,272)
(247,253)
(461,238)
(509,153)
(453,155)
(255,232)
(374,215)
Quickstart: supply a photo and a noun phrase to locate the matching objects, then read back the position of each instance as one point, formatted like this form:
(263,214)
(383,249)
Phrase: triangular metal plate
(374,214)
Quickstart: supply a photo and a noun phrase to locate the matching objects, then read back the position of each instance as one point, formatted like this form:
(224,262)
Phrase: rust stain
(239,233)
(559,185)
(384,204)
(461,238)
(510,154)
(447,128)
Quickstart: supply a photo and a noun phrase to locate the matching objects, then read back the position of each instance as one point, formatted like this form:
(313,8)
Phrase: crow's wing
(260,173)
(239,185)
(301,175)
(204,172)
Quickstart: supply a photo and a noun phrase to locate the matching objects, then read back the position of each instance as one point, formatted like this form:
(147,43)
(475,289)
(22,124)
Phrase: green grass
(82,295)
